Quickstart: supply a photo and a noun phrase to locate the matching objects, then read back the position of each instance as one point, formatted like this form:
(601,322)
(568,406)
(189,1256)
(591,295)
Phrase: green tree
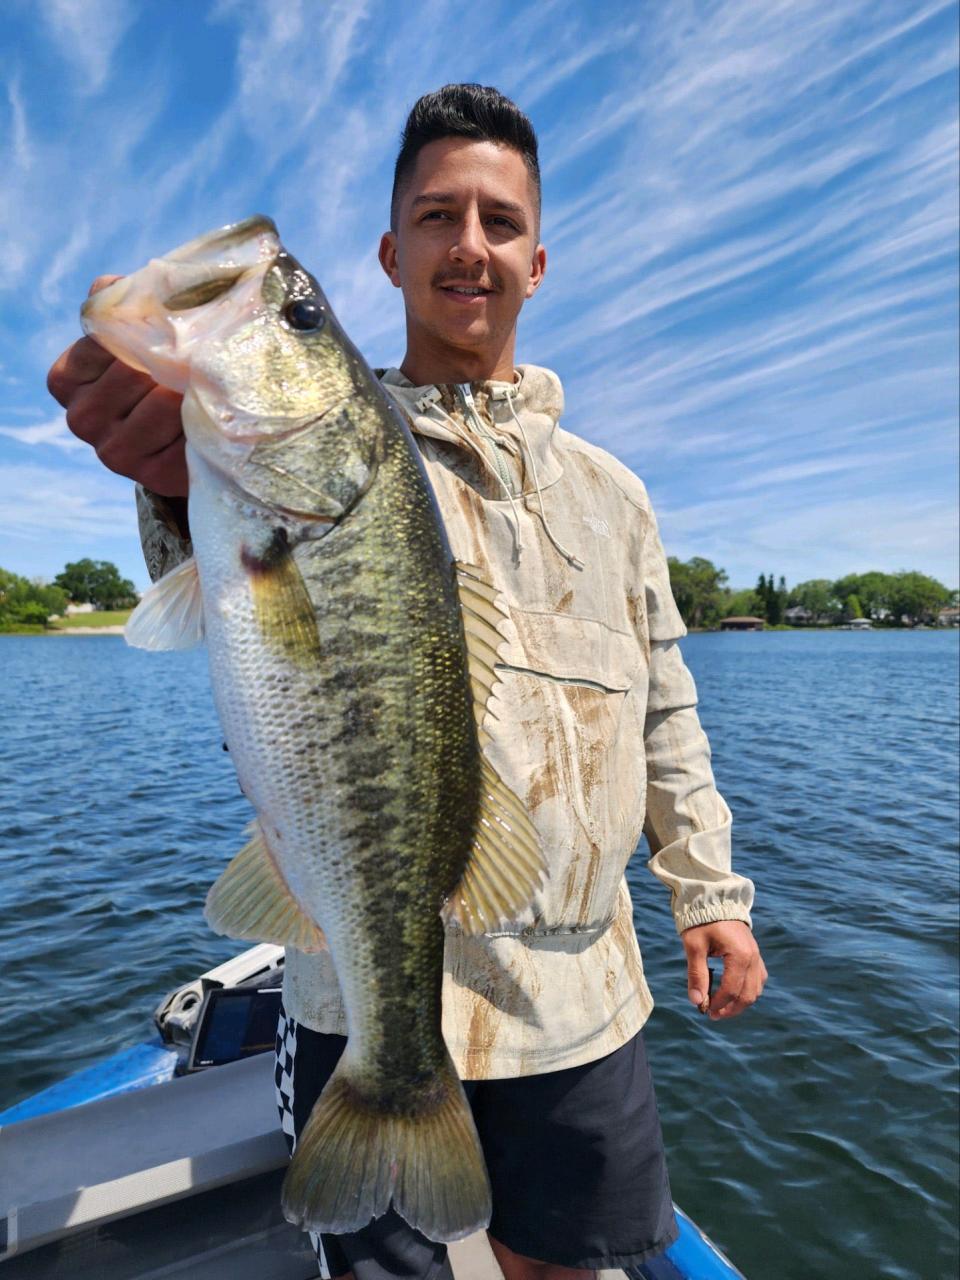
(24,603)
(746,603)
(853,606)
(697,589)
(917,596)
(97,582)
(771,600)
(817,596)
(873,591)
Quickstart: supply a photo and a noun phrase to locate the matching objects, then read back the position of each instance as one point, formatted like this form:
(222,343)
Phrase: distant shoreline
(77,624)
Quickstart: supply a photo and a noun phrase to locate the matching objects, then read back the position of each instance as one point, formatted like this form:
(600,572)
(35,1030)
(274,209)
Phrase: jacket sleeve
(687,821)
(164,535)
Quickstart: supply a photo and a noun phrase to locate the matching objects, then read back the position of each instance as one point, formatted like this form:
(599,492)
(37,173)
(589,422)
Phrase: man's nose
(470,246)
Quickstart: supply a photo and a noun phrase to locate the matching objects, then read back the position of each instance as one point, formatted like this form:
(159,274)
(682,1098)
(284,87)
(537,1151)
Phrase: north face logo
(599,527)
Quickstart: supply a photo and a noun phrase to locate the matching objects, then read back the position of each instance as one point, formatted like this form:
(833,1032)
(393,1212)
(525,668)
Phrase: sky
(750,215)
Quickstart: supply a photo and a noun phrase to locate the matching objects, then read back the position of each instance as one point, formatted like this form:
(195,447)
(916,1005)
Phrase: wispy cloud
(87,33)
(54,432)
(40,502)
(751,215)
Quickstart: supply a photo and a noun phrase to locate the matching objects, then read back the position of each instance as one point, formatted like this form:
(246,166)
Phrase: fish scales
(339,663)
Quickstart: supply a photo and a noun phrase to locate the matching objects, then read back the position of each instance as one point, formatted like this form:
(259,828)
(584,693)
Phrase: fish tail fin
(353,1158)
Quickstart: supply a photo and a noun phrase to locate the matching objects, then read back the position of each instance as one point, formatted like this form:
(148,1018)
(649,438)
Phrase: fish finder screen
(237,1022)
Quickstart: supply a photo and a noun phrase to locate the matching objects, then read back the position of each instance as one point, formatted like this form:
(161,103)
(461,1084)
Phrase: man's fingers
(735,969)
(166,472)
(154,444)
(82,362)
(97,408)
(698,977)
(742,996)
(101,282)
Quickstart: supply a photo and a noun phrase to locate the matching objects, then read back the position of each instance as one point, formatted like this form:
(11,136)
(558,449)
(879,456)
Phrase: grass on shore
(106,618)
(109,618)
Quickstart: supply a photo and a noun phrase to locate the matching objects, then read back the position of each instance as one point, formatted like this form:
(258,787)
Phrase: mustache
(464,278)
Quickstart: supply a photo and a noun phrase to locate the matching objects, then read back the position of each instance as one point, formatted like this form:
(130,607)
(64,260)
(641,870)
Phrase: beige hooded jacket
(595,729)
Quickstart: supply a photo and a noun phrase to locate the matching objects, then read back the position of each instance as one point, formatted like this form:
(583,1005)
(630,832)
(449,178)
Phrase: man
(595,724)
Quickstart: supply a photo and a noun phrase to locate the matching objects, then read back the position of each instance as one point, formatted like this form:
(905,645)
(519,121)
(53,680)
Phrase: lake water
(813,1137)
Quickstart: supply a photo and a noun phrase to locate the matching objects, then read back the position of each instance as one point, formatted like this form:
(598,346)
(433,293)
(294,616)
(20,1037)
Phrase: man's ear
(387,254)
(538,268)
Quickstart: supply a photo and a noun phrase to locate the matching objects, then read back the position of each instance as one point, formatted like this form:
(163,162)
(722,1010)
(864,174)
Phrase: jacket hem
(535,1062)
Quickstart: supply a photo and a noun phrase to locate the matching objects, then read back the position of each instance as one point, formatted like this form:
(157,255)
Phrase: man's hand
(133,424)
(744,972)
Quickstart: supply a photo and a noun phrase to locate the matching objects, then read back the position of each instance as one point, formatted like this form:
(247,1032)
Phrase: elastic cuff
(710,914)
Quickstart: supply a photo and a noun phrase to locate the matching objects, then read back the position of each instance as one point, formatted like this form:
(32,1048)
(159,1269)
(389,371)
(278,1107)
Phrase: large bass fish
(351,660)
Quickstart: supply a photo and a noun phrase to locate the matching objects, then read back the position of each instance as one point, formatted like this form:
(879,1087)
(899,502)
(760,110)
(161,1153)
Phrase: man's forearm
(164,531)
(687,823)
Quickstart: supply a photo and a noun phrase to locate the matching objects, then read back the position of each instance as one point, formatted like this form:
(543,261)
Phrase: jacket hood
(536,399)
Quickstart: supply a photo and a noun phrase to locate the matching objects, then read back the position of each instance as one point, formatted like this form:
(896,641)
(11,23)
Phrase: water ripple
(815,1136)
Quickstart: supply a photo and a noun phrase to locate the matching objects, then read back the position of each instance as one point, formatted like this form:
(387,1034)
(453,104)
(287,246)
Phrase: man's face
(464,250)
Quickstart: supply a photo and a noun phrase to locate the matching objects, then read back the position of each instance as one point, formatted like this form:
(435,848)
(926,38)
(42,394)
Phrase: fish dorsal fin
(170,615)
(252,900)
(506,864)
(482,614)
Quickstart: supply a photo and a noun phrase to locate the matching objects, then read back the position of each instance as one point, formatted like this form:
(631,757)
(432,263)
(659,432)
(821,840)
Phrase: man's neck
(429,367)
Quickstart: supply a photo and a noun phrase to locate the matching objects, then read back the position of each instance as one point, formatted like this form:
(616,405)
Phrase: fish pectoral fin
(170,615)
(281,602)
(252,900)
(506,864)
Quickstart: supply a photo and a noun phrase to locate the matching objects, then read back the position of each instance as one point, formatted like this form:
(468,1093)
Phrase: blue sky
(750,212)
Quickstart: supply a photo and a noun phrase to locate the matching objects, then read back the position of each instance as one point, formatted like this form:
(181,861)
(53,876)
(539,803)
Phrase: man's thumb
(698,979)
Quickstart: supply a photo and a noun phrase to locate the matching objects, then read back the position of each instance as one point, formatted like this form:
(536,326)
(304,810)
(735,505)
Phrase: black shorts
(575,1159)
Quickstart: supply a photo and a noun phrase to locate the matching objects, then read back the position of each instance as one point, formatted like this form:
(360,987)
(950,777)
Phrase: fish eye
(304,314)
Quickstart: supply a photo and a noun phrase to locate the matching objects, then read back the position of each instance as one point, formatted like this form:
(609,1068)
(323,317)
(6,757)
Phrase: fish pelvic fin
(170,615)
(354,1158)
(252,900)
(506,865)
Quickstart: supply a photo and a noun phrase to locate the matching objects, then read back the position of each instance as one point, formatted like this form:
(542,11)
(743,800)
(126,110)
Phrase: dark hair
(472,111)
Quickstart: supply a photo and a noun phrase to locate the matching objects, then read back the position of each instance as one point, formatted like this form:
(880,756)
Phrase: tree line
(892,599)
(28,602)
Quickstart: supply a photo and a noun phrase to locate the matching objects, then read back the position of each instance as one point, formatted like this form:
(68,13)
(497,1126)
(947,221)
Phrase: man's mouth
(466,290)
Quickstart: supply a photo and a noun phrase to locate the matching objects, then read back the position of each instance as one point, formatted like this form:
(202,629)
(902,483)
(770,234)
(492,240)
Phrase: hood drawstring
(567,555)
(432,400)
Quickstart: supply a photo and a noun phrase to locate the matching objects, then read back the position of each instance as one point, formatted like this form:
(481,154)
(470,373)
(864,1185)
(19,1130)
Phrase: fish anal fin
(252,900)
(170,615)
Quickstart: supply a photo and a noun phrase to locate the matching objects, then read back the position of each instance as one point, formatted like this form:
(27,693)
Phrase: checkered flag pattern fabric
(283,1081)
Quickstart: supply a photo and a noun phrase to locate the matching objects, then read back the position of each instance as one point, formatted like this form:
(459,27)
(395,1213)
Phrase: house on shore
(949,617)
(798,616)
(742,624)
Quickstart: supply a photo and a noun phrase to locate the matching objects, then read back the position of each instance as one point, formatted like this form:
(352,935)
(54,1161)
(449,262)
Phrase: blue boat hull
(692,1257)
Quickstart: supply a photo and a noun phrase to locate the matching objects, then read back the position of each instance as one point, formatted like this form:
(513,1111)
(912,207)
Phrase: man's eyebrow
(446,197)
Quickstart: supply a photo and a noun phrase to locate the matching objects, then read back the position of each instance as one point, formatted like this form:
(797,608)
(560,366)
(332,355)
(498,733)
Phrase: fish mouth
(151,319)
(219,243)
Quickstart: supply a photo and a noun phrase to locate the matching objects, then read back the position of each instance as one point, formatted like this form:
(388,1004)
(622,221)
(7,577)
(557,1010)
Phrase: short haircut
(473,111)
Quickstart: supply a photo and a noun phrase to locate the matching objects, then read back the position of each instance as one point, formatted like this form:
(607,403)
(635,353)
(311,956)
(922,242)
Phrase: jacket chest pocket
(566,737)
